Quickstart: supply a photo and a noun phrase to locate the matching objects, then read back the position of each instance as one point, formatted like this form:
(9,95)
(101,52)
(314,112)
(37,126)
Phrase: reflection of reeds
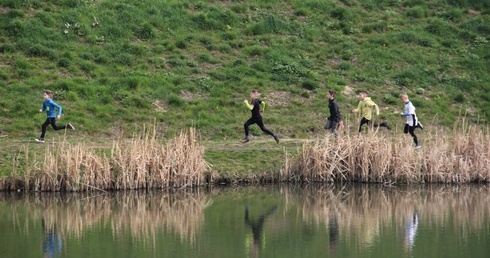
(141,163)
(365,210)
(142,214)
(462,156)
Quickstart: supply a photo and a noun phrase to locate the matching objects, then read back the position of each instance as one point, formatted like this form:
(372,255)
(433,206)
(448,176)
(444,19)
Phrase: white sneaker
(419,125)
(418,146)
(40,140)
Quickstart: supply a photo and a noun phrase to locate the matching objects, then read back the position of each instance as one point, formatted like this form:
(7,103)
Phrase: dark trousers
(364,121)
(258,121)
(332,125)
(52,121)
(411,130)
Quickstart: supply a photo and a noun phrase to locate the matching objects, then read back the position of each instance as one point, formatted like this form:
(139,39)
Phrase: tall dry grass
(459,156)
(141,163)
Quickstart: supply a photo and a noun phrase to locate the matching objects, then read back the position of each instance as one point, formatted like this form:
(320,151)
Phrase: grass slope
(117,64)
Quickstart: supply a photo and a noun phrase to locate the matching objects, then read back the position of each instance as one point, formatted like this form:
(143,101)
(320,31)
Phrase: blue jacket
(49,106)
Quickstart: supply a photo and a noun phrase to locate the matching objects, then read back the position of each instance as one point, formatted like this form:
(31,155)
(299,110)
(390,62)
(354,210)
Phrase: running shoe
(276,138)
(40,140)
(70,126)
(244,140)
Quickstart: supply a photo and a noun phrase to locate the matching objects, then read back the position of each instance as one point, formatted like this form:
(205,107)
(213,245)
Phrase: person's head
(404,97)
(331,94)
(48,94)
(362,95)
(254,94)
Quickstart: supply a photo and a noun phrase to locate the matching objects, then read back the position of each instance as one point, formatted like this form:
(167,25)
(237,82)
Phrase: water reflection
(411,230)
(314,221)
(333,232)
(142,214)
(53,243)
(257,226)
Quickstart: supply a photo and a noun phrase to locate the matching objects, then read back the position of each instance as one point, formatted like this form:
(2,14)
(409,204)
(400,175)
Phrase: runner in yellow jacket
(365,107)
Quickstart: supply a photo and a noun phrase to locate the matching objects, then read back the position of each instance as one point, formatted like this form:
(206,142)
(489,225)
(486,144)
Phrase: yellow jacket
(365,107)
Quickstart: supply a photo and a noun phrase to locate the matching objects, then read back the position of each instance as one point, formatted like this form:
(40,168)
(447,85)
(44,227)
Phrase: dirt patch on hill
(4,10)
(278,98)
(348,91)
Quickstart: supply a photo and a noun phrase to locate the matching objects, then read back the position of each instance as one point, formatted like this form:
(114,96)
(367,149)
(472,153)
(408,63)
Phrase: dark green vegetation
(114,65)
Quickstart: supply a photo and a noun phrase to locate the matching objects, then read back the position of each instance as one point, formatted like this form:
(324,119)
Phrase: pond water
(273,221)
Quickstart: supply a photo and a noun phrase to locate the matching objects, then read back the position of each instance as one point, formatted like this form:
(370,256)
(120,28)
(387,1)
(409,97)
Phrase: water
(273,221)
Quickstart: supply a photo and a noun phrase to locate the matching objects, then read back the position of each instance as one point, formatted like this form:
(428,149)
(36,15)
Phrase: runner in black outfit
(335,119)
(256,106)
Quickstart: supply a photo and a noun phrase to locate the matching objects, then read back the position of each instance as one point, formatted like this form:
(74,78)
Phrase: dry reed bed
(461,156)
(366,211)
(142,214)
(142,163)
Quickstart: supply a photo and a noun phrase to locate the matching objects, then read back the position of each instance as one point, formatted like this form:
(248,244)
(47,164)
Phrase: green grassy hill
(117,64)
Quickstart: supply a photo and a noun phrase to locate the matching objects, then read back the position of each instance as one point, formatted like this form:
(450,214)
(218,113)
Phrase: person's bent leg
(265,130)
(328,124)
(249,122)
(52,120)
(363,122)
(411,130)
(334,127)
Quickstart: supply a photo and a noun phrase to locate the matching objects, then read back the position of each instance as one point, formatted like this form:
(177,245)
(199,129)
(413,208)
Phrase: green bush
(310,85)
(63,62)
(418,103)
(268,24)
(415,12)
(175,100)
(125,59)
(15,28)
(460,98)
(341,13)
(454,14)
(144,31)
(388,99)
(439,27)
(136,101)
(345,66)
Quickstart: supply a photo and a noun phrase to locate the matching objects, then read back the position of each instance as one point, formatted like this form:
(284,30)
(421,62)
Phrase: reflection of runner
(333,233)
(257,227)
(411,230)
(52,243)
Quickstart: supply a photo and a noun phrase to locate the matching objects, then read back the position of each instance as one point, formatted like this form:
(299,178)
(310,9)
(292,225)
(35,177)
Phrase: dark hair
(363,92)
(331,92)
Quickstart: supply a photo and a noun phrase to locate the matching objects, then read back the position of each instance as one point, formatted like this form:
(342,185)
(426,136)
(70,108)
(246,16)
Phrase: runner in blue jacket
(49,106)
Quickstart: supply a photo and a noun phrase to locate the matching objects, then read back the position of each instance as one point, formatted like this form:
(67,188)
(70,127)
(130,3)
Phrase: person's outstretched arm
(249,106)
